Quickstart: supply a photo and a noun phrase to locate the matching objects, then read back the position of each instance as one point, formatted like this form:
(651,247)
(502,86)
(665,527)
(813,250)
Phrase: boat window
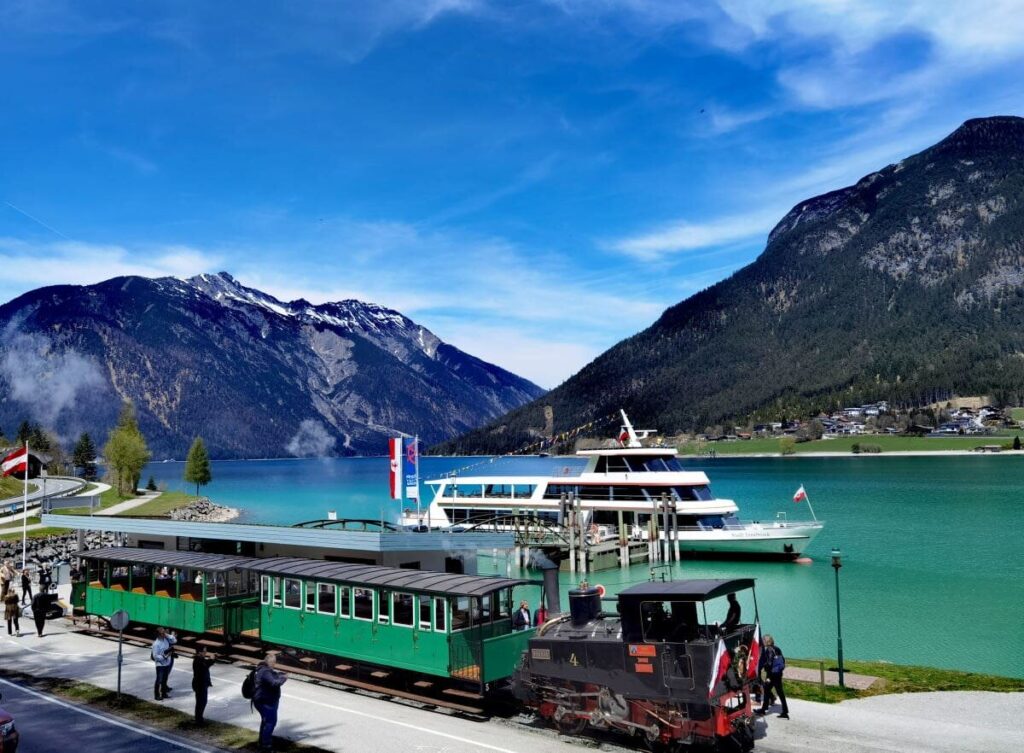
(264,589)
(630,494)
(344,594)
(439,614)
(555,491)
(461,612)
(498,490)
(424,611)
(403,611)
(699,493)
(325,598)
(617,464)
(522,491)
(292,593)
(384,607)
(595,492)
(276,591)
(363,598)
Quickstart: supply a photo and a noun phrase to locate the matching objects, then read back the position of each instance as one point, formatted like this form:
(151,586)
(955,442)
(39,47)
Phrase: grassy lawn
(11,487)
(161,505)
(109,498)
(32,520)
(897,678)
(38,533)
(843,445)
(1017,414)
(214,734)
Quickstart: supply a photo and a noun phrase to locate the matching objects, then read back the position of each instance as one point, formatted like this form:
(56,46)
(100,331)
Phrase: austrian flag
(800,495)
(16,461)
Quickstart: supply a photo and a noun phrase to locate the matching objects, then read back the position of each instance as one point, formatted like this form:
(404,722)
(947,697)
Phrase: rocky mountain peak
(983,134)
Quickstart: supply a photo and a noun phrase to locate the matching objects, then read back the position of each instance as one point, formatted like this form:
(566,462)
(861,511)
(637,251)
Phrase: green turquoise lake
(932,575)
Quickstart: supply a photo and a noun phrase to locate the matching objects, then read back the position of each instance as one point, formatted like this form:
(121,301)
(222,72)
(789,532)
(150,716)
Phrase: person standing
(521,619)
(201,682)
(26,586)
(540,616)
(774,664)
(40,603)
(266,698)
(12,610)
(6,576)
(161,653)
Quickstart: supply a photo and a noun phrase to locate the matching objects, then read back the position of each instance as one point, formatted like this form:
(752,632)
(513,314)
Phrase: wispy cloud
(685,235)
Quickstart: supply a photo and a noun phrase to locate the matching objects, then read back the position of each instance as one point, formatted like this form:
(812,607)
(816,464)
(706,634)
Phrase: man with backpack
(263,687)
(774,664)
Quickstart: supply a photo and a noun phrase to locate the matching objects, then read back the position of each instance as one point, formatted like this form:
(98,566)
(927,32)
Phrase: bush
(787,446)
(855,448)
(872,449)
(151,484)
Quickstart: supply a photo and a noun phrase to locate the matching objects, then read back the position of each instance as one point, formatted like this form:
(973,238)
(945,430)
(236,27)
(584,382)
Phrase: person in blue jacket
(267,697)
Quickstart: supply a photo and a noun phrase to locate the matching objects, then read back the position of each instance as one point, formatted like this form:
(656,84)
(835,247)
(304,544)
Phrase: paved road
(48,724)
(54,486)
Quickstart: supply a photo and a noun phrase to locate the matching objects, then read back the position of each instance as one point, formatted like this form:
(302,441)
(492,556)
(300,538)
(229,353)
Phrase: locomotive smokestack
(541,561)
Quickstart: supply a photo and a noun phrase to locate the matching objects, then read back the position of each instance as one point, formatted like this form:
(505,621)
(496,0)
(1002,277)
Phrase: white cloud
(685,235)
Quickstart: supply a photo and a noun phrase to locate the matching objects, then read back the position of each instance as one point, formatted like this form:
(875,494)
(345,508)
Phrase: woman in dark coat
(12,610)
(201,682)
(40,603)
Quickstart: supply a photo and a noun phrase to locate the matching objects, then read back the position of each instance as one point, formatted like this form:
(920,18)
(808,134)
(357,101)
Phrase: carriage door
(676,668)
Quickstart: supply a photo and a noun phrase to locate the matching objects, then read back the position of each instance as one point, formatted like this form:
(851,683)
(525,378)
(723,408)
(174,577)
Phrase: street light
(837,562)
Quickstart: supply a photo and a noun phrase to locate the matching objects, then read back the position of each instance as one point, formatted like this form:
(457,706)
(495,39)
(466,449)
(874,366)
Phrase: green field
(844,445)
(161,505)
(1017,414)
(10,487)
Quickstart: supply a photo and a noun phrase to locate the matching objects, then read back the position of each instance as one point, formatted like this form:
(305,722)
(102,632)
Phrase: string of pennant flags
(537,445)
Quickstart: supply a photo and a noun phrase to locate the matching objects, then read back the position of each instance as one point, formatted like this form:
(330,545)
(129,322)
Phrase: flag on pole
(719,666)
(395,448)
(755,652)
(410,464)
(800,495)
(623,436)
(16,461)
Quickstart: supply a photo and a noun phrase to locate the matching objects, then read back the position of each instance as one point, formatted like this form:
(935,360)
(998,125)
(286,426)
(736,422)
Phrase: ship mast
(627,429)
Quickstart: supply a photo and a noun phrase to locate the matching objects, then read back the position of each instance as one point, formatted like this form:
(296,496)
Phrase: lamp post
(837,562)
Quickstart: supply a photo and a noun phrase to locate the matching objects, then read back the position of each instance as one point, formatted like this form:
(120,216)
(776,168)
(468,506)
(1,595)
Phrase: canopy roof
(688,590)
(392,578)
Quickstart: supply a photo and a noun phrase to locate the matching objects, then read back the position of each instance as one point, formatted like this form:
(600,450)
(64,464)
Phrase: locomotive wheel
(571,725)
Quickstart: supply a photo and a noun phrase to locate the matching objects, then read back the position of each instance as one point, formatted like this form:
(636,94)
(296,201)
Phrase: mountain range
(252,375)
(905,286)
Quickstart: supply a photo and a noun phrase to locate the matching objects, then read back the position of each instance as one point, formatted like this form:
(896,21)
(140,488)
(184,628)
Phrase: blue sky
(531,180)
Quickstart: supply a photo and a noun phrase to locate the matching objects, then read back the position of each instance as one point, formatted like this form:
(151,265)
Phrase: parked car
(8,732)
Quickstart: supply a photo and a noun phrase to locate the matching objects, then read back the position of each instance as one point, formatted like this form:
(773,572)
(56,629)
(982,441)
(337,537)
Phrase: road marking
(407,725)
(107,719)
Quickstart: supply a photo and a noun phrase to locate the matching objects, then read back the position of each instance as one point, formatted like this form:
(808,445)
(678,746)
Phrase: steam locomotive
(654,668)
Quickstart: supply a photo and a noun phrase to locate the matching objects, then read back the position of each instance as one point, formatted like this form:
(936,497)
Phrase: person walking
(773,662)
(161,653)
(6,576)
(201,681)
(26,586)
(521,619)
(266,698)
(12,610)
(40,603)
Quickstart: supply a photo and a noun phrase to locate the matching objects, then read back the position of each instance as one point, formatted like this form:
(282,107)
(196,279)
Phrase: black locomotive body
(654,668)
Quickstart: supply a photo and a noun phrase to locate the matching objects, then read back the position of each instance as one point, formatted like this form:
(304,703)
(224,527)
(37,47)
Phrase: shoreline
(884,453)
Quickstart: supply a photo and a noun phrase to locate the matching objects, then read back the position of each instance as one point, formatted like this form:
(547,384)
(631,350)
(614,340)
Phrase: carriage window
(236,583)
(310,597)
(384,607)
(216,588)
(142,576)
(292,593)
(325,598)
(672,621)
(460,612)
(502,600)
(424,603)
(264,589)
(481,610)
(439,614)
(403,611)
(119,577)
(276,591)
(346,606)
(363,598)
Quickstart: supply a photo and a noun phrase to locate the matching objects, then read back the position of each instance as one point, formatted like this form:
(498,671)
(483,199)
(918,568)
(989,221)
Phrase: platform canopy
(171,558)
(688,590)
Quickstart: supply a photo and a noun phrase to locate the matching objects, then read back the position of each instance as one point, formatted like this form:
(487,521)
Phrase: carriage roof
(392,578)
(688,590)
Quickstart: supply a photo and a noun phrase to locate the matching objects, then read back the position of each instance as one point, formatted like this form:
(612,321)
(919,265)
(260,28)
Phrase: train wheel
(571,725)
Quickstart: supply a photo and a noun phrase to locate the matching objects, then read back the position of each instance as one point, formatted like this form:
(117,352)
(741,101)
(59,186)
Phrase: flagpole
(808,498)
(24,515)
(419,515)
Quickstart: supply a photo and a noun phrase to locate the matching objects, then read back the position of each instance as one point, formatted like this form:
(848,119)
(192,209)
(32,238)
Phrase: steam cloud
(311,440)
(47,381)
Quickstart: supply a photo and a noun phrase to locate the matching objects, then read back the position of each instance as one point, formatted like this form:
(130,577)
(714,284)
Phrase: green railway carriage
(441,624)
(430,622)
(192,591)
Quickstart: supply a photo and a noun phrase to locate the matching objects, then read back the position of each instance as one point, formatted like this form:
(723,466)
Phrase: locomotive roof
(689,590)
(392,578)
(428,581)
(171,558)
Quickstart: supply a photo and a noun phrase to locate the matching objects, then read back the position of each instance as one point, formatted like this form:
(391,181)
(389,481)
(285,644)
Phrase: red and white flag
(755,652)
(395,477)
(719,666)
(623,436)
(800,495)
(16,461)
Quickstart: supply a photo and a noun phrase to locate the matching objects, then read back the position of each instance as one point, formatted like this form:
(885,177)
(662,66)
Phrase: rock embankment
(53,549)
(204,511)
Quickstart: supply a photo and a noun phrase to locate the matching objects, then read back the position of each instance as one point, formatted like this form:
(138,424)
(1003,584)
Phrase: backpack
(249,685)
(778,662)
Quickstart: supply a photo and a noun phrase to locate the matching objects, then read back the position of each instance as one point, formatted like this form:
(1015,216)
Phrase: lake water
(933,571)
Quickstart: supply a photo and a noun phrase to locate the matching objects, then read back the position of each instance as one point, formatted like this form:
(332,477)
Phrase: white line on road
(107,719)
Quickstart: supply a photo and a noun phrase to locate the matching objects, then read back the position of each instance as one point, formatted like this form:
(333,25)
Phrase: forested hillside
(907,285)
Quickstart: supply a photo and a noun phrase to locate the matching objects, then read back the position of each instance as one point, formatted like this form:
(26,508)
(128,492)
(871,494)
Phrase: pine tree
(197,465)
(151,485)
(1016,442)
(24,430)
(84,456)
(39,439)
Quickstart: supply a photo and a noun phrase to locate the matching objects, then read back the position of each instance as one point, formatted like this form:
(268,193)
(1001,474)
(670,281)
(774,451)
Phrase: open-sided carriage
(656,668)
(441,624)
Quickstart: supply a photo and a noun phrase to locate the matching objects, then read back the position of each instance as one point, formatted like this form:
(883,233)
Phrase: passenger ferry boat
(618,491)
